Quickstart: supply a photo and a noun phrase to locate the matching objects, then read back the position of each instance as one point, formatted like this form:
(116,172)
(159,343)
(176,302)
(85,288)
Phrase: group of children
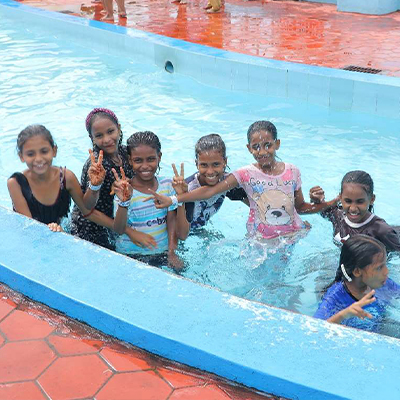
(122,204)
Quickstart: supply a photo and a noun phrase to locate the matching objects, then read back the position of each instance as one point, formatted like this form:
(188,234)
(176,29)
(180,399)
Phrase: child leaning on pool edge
(144,149)
(361,290)
(43,192)
(211,162)
(273,188)
(355,214)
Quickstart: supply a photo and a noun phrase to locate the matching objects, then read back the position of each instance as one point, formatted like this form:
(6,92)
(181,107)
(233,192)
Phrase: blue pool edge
(270,349)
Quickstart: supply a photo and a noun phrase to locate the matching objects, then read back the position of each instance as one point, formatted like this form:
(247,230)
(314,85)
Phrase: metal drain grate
(362,69)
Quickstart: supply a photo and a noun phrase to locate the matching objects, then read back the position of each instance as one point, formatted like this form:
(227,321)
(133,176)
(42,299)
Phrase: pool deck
(65,359)
(300,32)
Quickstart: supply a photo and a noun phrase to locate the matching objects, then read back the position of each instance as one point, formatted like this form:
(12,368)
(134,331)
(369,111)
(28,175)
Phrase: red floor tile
(21,361)
(23,326)
(77,377)
(210,392)
(68,346)
(21,391)
(144,385)
(6,306)
(123,361)
(179,380)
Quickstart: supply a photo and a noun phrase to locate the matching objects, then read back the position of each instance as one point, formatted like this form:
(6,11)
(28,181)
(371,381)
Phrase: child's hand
(175,262)
(160,201)
(121,187)
(356,309)
(142,239)
(55,227)
(317,194)
(178,181)
(96,170)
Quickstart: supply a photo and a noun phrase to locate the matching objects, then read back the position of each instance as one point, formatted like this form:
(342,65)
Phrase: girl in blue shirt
(361,290)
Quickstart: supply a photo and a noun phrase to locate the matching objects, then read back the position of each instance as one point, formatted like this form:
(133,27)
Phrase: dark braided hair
(146,138)
(259,126)
(212,142)
(33,130)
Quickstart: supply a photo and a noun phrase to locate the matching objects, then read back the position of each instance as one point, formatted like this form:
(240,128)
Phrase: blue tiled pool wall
(373,7)
(273,350)
(337,89)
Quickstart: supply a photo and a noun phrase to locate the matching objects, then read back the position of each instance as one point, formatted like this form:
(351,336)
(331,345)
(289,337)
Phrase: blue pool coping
(267,348)
(270,349)
(333,88)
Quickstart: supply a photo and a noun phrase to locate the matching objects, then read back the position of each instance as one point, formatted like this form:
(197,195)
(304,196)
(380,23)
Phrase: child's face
(211,166)
(105,134)
(356,202)
(375,274)
(144,160)
(38,154)
(263,147)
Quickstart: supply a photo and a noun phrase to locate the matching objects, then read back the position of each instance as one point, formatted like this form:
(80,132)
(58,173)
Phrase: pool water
(44,78)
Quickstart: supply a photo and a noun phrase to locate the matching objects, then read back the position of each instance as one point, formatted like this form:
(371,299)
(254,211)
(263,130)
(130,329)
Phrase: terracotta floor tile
(124,361)
(143,385)
(21,391)
(179,380)
(210,392)
(21,361)
(6,306)
(75,377)
(67,346)
(22,326)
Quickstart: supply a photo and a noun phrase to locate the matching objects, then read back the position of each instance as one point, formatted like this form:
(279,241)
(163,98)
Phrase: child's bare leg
(121,8)
(215,6)
(108,6)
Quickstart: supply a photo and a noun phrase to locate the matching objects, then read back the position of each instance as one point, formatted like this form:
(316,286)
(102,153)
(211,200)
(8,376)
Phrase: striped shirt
(145,217)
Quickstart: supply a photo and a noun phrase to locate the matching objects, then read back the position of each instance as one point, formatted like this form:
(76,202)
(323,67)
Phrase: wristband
(124,204)
(95,188)
(174,200)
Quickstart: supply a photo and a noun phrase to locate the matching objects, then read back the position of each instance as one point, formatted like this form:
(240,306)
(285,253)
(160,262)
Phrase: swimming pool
(51,81)
(185,110)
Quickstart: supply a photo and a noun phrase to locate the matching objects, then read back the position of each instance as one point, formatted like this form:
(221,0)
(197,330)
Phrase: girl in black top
(105,132)
(44,192)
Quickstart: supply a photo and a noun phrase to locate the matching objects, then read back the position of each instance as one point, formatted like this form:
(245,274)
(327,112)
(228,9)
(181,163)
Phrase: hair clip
(345,273)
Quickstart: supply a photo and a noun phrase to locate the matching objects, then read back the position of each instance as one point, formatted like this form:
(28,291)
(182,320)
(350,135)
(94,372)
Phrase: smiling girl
(355,215)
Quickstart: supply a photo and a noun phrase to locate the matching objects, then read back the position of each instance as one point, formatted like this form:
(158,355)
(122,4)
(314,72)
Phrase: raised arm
(201,193)
(311,208)
(96,174)
(180,186)
(123,190)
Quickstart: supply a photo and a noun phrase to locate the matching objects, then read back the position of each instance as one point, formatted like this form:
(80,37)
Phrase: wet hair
(259,126)
(361,178)
(101,113)
(212,142)
(33,130)
(357,252)
(145,138)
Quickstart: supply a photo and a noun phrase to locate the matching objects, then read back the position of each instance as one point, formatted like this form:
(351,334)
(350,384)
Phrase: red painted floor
(309,33)
(45,355)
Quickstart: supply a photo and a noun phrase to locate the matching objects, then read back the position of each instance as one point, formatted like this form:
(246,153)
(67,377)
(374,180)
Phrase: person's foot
(107,17)
(213,10)
(122,15)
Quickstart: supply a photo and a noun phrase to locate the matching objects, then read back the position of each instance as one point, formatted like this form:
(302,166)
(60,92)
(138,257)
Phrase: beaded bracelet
(94,188)
(124,204)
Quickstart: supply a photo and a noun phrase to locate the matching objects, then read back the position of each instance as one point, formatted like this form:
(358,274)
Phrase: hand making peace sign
(96,170)
(178,181)
(121,187)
